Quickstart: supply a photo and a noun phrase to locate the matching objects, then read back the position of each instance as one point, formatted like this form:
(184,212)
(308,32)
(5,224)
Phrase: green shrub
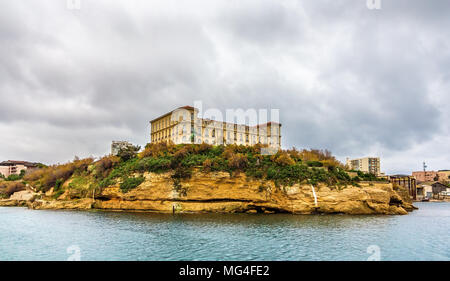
(155,165)
(314,164)
(193,160)
(288,175)
(368,177)
(106,182)
(128,152)
(58,184)
(319,175)
(130,183)
(13,177)
(182,173)
(255,173)
(57,193)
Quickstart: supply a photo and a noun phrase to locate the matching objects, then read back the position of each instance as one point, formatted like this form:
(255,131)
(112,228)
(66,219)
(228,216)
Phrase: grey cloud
(346,78)
(263,22)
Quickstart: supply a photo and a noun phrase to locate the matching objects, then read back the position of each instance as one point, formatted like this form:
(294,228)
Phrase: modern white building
(367,164)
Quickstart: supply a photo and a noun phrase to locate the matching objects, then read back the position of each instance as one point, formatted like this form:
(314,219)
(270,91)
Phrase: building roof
(439,187)
(360,158)
(182,107)
(15,162)
(267,124)
(187,107)
(439,184)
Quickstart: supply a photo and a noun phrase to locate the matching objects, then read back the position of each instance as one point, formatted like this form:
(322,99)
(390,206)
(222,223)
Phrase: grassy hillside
(86,177)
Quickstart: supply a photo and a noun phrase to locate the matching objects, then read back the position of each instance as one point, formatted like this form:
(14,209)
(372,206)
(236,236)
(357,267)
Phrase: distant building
(424,191)
(427,176)
(367,164)
(183,126)
(432,190)
(424,176)
(439,190)
(116,146)
(12,167)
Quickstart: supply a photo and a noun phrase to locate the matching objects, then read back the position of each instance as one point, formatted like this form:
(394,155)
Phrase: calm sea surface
(61,235)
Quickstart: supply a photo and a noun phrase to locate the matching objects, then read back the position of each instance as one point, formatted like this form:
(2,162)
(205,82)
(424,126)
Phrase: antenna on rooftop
(424,170)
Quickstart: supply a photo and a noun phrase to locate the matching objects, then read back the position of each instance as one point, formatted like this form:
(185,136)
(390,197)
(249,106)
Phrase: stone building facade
(182,125)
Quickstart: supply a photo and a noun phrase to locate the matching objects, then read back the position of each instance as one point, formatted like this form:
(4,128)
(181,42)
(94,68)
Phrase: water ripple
(46,235)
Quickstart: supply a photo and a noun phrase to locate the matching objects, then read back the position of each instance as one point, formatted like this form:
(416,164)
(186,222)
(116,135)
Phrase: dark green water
(59,235)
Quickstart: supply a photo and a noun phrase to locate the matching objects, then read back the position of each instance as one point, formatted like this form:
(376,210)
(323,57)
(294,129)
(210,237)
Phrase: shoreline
(25,205)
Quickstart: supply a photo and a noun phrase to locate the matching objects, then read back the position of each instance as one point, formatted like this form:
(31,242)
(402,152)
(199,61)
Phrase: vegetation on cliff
(7,188)
(86,177)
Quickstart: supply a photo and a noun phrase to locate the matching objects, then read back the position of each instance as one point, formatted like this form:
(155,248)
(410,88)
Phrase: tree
(128,152)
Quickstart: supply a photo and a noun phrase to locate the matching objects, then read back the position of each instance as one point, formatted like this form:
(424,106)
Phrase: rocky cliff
(218,192)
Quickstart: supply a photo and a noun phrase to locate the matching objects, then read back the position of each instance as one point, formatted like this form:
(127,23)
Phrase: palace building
(182,125)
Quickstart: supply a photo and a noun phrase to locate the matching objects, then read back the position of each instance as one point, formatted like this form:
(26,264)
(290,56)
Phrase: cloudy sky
(354,80)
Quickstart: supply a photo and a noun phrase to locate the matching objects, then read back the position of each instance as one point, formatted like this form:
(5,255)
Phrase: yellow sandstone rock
(218,192)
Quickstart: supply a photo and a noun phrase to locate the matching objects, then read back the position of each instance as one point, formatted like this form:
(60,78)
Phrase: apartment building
(12,167)
(367,164)
(428,176)
(422,176)
(183,125)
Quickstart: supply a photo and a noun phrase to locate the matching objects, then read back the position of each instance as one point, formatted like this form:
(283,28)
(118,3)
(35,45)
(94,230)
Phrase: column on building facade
(183,126)
(229,133)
